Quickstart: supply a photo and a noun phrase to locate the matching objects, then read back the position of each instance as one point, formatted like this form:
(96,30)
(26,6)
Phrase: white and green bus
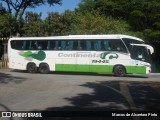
(118,54)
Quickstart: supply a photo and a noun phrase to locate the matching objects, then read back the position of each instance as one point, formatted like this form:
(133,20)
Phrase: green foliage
(94,23)
(137,20)
(8,25)
(58,24)
(33,25)
(54,24)
(2,9)
(140,15)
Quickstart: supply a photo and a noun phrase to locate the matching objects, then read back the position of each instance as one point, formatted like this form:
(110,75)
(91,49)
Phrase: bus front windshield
(140,53)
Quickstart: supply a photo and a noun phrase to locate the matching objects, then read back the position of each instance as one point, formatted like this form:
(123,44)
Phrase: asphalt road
(21,91)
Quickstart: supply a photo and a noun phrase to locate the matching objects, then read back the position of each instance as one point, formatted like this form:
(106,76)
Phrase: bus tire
(44,68)
(119,71)
(31,68)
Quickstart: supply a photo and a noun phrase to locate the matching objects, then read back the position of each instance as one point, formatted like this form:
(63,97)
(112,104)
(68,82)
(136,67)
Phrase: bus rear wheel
(44,68)
(119,71)
(32,68)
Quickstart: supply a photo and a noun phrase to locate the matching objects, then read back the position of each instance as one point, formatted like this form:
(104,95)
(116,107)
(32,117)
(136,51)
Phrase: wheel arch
(44,68)
(119,65)
(31,67)
(30,63)
(43,63)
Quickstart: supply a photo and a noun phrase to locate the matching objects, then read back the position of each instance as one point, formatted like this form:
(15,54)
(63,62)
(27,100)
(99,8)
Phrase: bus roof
(111,36)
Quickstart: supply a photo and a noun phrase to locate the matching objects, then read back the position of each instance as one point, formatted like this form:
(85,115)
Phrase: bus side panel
(136,69)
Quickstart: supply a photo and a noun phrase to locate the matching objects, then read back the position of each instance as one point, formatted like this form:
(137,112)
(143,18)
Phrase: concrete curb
(154,74)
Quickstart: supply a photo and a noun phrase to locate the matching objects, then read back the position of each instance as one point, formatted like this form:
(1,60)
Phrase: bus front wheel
(119,71)
(32,68)
(44,68)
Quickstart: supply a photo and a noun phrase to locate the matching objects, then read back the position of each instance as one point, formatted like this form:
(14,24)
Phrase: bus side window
(44,44)
(106,45)
(13,44)
(35,45)
(40,44)
(63,45)
(57,47)
(88,45)
(48,45)
(120,46)
(19,45)
(79,46)
(31,45)
(69,45)
(27,45)
(24,45)
(97,45)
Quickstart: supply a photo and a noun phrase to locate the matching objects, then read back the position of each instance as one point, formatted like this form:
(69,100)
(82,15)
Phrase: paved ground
(21,91)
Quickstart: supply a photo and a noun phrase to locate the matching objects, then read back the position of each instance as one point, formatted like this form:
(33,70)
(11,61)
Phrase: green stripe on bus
(136,69)
(97,68)
(83,68)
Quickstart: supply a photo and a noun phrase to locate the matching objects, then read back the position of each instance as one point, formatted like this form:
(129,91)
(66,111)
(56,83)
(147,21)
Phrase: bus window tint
(13,44)
(69,45)
(140,53)
(117,45)
(44,44)
(33,45)
(24,45)
(30,45)
(38,45)
(106,45)
(80,45)
(16,44)
(88,45)
(48,45)
(63,45)
(128,43)
(97,45)
(57,46)
(51,45)
(113,45)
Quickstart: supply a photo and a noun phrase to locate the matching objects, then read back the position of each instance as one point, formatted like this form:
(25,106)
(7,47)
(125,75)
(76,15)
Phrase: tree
(33,25)
(68,19)
(58,24)
(19,6)
(2,9)
(53,24)
(8,25)
(91,22)
(142,16)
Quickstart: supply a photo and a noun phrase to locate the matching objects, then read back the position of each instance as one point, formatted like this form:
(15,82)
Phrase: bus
(117,54)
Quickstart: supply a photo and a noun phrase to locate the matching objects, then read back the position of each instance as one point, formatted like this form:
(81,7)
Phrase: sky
(66,5)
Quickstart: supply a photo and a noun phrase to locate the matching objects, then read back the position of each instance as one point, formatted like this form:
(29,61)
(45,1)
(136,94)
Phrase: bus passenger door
(141,58)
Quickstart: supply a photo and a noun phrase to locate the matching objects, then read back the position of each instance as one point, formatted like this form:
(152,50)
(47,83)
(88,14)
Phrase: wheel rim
(32,68)
(119,71)
(43,69)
